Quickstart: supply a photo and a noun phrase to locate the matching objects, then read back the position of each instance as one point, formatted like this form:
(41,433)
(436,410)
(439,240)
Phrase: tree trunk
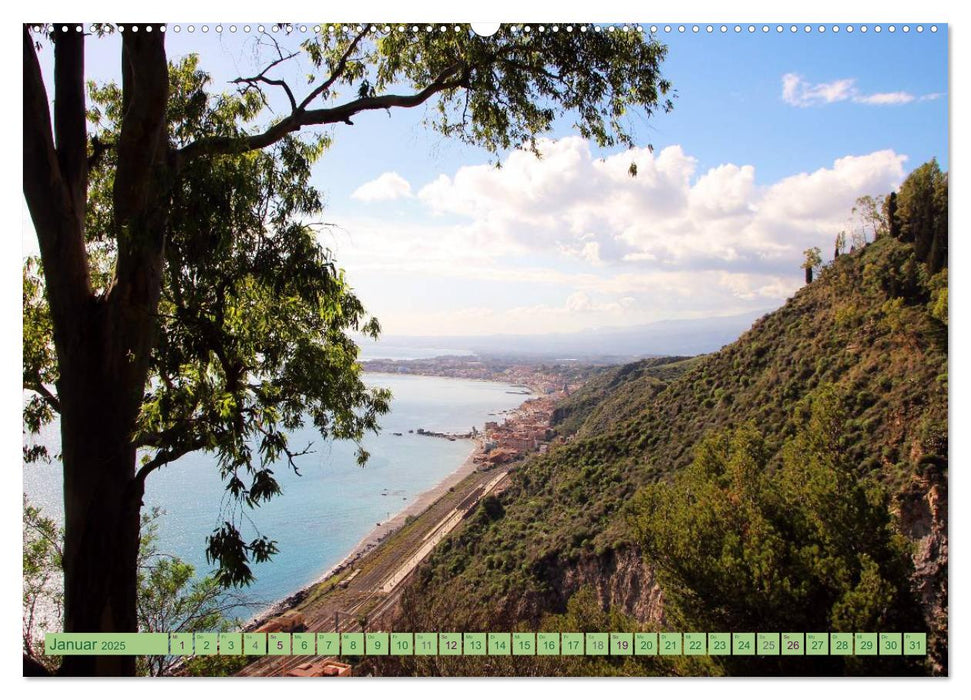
(103,340)
(102,500)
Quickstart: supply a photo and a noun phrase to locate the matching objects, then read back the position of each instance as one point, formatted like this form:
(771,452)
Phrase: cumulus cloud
(797,92)
(675,241)
(668,216)
(385,187)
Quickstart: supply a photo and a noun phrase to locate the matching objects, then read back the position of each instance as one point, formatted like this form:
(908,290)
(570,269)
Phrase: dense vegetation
(772,485)
(807,546)
(615,393)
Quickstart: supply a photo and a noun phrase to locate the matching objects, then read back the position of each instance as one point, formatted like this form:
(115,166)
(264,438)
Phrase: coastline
(375,537)
(380,533)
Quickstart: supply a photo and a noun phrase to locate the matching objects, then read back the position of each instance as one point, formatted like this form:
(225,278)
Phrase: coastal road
(373,582)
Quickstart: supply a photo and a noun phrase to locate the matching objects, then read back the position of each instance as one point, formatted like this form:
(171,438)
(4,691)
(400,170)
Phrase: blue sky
(772,138)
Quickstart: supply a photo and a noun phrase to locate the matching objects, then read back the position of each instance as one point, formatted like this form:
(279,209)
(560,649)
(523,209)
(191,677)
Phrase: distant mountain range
(677,337)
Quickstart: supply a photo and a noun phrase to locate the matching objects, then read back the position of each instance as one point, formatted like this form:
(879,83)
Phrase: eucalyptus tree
(182,301)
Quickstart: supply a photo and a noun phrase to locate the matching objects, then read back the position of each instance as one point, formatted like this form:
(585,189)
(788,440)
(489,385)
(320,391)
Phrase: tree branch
(70,123)
(38,386)
(451,78)
(261,78)
(338,69)
(166,456)
(58,221)
(145,91)
(42,172)
(290,454)
(98,149)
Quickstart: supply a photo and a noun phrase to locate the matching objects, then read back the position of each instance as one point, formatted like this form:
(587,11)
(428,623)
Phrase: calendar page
(437,349)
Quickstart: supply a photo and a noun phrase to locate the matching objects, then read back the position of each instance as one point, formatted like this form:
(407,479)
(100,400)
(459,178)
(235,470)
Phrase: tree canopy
(921,214)
(254,314)
(495,92)
(813,260)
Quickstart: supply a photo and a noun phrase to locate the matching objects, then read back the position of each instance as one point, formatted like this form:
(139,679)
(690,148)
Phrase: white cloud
(885,98)
(387,186)
(799,93)
(616,250)
(592,209)
(821,200)
(582,302)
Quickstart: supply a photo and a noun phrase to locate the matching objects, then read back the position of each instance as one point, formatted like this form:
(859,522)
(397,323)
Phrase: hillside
(616,393)
(558,550)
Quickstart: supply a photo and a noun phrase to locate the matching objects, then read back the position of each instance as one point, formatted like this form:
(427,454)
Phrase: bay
(328,509)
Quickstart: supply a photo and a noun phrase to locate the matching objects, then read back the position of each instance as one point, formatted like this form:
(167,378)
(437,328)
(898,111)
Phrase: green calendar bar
(743,643)
(206,643)
(695,644)
(865,643)
(377,643)
(621,644)
(122,644)
(492,643)
(426,644)
(767,643)
(230,643)
(817,644)
(915,643)
(645,643)
(254,643)
(793,644)
(524,644)
(328,644)
(180,643)
(500,643)
(304,644)
(670,644)
(597,643)
(719,644)
(841,644)
(891,644)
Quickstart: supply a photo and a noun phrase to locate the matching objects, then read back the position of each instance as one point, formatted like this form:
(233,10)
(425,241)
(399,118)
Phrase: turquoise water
(334,504)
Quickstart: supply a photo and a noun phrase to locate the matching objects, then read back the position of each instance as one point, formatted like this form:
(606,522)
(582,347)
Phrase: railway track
(377,591)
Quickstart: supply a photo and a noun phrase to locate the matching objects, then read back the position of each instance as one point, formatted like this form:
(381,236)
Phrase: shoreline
(380,533)
(375,537)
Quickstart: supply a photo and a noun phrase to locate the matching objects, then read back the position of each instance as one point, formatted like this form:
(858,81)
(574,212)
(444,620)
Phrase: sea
(333,504)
